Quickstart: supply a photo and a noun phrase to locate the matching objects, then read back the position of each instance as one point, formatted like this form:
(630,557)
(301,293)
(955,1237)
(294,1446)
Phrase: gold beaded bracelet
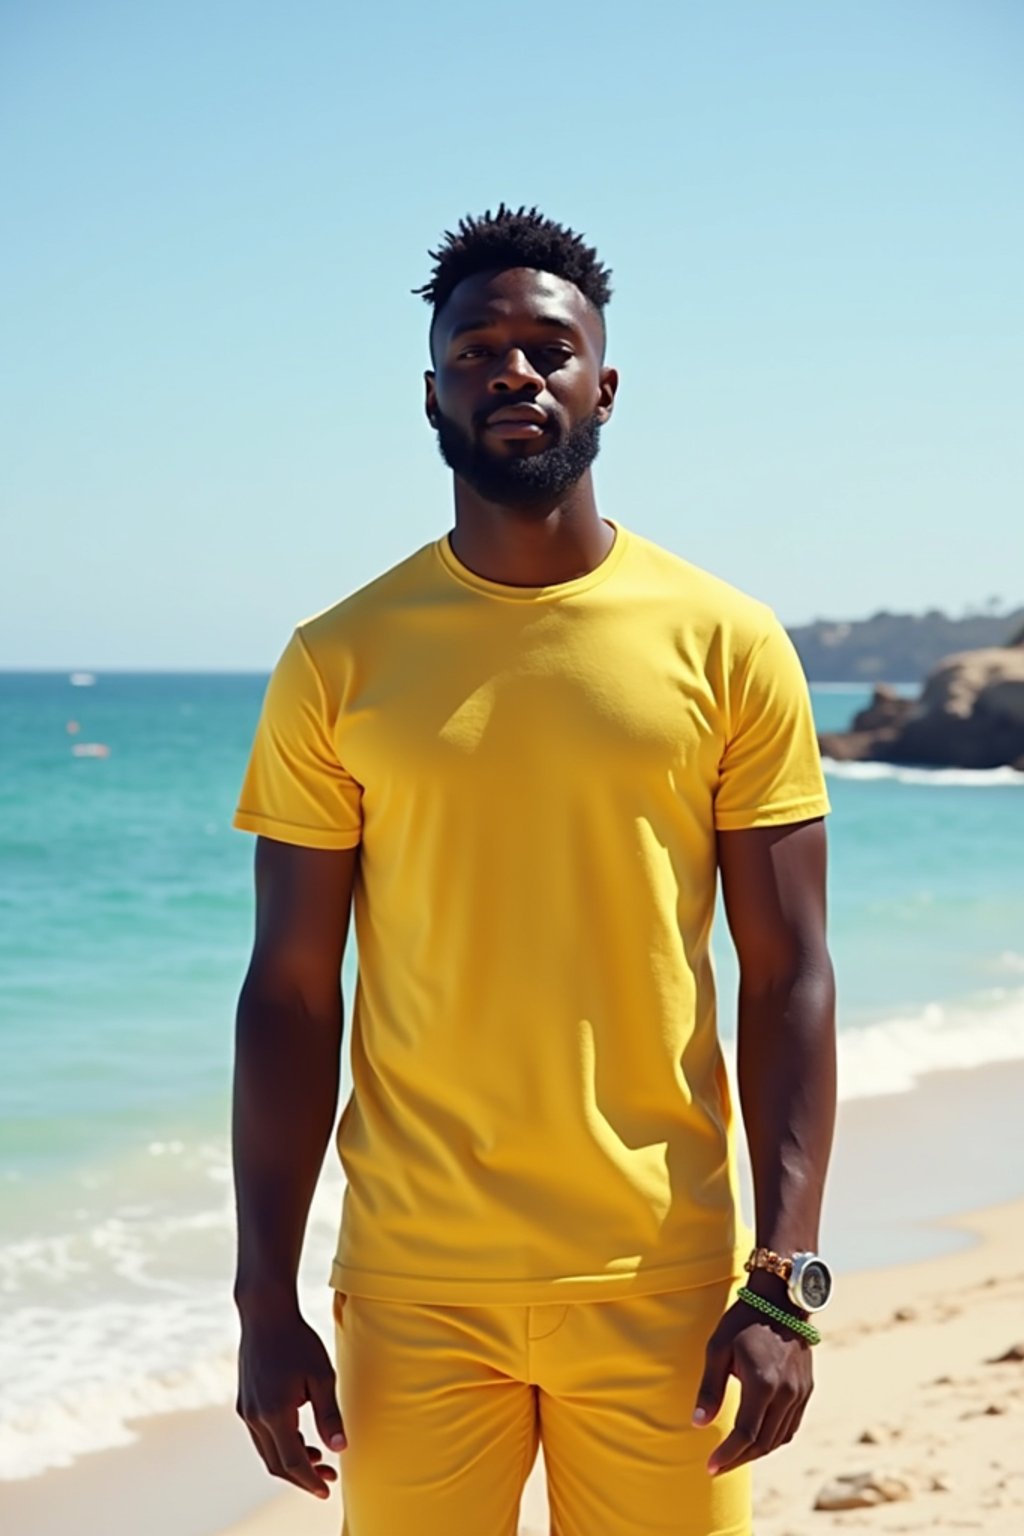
(805,1330)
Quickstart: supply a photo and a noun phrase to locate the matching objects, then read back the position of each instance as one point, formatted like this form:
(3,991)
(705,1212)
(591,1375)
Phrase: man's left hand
(773,1367)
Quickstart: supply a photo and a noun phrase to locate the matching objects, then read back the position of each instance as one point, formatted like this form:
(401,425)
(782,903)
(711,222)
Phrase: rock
(1015,1352)
(887,708)
(863,1490)
(878,1434)
(970,714)
(943,1381)
(990,1410)
(905,1315)
(855,746)
(941,1485)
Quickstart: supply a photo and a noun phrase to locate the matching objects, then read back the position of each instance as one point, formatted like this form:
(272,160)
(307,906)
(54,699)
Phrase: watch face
(815,1285)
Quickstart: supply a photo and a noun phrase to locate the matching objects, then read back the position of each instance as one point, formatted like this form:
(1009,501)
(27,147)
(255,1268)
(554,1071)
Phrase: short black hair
(523,238)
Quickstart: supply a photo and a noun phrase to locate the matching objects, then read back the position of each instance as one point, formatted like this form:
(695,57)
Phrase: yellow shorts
(445,1407)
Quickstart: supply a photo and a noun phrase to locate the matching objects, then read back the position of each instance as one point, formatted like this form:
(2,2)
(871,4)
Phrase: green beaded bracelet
(805,1330)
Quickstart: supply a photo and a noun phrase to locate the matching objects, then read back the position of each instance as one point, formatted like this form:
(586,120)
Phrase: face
(519,392)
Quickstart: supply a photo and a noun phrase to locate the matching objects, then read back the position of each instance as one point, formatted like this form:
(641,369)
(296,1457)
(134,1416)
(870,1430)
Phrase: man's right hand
(282,1364)
(287,1069)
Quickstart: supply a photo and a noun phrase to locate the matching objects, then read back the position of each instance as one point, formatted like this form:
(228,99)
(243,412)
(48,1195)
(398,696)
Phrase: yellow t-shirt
(540,1109)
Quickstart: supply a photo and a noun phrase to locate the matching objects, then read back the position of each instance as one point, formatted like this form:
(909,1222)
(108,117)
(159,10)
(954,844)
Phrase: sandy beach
(915,1394)
(922,1387)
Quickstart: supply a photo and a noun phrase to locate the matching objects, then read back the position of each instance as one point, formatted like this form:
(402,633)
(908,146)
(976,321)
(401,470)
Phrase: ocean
(125,924)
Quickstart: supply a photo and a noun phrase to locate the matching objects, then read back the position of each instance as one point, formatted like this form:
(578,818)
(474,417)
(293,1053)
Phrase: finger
(795,1419)
(267,1450)
(268,1454)
(316,1457)
(769,1434)
(291,1449)
(321,1391)
(713,1383)
(776,1424)
(787,1429)
(743,1435)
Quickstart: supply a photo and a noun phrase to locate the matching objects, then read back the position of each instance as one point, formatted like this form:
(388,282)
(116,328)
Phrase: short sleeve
(295,790)
(770,772)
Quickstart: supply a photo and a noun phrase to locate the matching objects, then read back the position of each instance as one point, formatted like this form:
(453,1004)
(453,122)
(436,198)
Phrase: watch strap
(774,1263)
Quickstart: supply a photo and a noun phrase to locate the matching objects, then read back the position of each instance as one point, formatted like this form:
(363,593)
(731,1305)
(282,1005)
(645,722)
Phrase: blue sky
(214,212)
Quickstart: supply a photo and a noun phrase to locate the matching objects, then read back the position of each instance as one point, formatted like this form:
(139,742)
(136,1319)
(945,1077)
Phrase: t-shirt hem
(773,815)
(289,832)
(424,1290)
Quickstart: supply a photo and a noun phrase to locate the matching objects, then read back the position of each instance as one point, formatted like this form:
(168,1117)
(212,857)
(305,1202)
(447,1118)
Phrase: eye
(471,352)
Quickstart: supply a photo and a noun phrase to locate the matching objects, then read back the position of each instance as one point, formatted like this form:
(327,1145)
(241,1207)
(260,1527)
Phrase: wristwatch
(807,1276)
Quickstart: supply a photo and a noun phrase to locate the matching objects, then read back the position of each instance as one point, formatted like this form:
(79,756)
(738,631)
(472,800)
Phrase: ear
(608,383)
(430,403)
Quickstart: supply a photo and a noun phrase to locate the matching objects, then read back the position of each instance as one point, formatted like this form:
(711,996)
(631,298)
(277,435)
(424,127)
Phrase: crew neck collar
(553,593)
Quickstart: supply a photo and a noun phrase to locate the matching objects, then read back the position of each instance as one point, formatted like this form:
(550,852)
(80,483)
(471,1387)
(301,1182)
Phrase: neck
(536,546)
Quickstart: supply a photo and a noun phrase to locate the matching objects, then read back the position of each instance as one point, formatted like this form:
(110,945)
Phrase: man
(525,752)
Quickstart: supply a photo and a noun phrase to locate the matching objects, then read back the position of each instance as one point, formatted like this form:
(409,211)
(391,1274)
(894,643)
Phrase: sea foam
(892,1055)
(126,1313)
(967,778)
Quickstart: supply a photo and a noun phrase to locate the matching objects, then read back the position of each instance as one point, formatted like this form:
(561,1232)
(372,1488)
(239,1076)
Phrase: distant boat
(90,749)
(82,679)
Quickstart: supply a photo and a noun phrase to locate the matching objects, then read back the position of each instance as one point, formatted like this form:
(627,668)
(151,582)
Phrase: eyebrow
(487,323)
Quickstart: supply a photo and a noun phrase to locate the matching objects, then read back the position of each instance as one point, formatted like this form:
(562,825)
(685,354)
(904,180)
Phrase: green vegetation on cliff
(896,647)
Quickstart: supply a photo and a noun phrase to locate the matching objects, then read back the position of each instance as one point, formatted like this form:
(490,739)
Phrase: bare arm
(773,883)
(287,1064)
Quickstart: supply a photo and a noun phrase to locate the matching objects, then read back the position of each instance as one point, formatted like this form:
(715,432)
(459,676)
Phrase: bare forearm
(287,1064)
(787,1079)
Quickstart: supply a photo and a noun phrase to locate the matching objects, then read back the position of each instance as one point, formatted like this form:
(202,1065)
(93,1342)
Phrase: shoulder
(704,602)
(323,655)
(368,604)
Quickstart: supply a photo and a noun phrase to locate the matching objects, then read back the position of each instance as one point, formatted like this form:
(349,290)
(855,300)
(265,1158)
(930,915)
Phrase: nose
(515,373)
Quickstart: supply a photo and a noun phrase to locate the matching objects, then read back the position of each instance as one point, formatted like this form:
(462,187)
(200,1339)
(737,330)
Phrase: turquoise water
(125,920)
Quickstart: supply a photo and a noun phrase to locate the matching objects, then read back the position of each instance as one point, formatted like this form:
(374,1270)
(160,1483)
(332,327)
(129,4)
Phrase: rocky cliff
(970,714)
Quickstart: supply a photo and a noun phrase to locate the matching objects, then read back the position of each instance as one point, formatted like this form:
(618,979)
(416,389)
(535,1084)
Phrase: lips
(516,431)
(518,415)
(517,423)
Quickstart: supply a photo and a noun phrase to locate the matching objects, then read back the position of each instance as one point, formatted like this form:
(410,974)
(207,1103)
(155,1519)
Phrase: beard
(519,480)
